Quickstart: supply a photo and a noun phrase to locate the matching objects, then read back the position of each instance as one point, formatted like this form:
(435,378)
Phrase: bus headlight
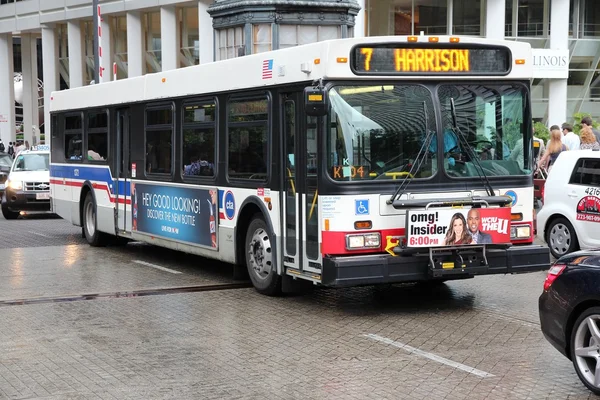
(363,241)
(520,232)
(15,185)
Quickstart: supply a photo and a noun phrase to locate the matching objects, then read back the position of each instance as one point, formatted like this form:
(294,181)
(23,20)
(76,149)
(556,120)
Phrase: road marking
(431,356)
(41,234)
(156,266)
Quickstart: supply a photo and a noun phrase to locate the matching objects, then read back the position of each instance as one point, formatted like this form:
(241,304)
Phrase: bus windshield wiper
(418,161)
(463,140)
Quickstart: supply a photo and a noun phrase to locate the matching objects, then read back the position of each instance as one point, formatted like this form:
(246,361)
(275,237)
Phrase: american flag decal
(267,69)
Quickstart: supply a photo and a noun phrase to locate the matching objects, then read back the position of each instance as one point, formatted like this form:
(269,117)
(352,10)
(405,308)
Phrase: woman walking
(588,139)
(553,149)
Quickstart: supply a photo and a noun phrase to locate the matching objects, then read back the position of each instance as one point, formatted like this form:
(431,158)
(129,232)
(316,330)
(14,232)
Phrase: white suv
(28,183)
(570,217)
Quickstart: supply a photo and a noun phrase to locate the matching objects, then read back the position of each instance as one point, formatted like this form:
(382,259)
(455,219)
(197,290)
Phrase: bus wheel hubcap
(90,219)
(260,253)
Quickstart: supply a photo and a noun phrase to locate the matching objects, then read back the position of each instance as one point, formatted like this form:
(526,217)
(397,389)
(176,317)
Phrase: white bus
(345,162)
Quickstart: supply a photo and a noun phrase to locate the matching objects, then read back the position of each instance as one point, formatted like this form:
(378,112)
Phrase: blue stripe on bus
(86,173)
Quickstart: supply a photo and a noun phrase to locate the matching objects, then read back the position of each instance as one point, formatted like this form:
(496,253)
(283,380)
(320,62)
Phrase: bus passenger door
(300,206)
(123,170)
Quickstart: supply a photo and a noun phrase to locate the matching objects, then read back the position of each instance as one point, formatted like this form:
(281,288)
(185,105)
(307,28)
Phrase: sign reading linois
(548,63)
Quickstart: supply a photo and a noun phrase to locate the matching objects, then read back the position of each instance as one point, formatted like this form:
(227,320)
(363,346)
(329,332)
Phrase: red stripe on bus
(334,243)
(99,186)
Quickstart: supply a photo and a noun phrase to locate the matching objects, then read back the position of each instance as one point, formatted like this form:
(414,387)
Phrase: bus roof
(322,60)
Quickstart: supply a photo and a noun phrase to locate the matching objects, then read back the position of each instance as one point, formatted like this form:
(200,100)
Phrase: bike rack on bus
(465,257)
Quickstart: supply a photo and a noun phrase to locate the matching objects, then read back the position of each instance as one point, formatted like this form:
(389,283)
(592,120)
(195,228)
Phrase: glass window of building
(296,35)
(466,17)
(591,15)
(152,42)
(406,17)
(119,42)
(190,37)
(531,18)
(88,48)
(230,43)
(261,38)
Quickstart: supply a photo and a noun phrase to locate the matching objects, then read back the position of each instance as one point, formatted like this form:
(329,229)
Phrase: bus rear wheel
(90,225)
(259,258)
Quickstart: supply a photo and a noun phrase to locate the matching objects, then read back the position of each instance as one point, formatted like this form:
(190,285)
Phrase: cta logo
(513,195)
(229,202)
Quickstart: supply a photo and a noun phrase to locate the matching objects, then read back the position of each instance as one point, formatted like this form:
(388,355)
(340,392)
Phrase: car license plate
(42,196)
(2,186)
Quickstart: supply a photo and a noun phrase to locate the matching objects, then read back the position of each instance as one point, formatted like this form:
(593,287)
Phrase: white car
(28,183)
(570,217)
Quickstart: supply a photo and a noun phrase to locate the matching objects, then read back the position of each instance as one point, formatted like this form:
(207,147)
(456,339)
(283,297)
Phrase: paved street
(84,323)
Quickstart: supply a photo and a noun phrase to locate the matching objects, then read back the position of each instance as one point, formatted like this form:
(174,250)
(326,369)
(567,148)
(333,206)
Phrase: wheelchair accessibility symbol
(361,207)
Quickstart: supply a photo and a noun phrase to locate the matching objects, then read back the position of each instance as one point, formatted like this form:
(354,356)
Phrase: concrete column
(515,17)
(205,33)
(75,55)
(169,35)
(30,88)
(450,15)
(135,47)
(559,40)
(359,21)
(107,50)
(7,88)
(381,18)
(51,79)
(495,19)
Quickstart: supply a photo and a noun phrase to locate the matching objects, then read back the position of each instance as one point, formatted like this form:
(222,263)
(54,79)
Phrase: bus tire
(90,224)
(259,258)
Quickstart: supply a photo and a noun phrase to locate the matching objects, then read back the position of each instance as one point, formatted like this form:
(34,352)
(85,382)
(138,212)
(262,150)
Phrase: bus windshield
(491,119)
(381,131)
(376,132)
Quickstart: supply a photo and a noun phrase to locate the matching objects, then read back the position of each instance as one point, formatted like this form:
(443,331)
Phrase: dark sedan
(5,163)
(570,312)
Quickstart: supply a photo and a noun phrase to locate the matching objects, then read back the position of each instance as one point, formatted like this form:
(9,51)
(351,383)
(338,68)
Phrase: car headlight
(520,232)
(15,185)
(363,241)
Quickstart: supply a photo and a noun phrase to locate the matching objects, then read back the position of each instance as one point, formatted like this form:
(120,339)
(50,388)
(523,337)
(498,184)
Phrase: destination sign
(393,60)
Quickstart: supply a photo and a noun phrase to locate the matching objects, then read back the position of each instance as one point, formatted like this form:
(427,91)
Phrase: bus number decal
(351,171)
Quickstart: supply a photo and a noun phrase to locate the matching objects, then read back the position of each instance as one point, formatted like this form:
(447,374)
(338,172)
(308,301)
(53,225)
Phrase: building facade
(145,36)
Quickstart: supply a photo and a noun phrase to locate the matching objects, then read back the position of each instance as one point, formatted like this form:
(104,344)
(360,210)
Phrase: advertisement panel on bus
(182,213)
(453,227)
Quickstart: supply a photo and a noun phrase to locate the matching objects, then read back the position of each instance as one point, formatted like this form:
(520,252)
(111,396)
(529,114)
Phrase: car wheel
(8,214)
(92,235)
(259,258)
(561,237)
(585,348)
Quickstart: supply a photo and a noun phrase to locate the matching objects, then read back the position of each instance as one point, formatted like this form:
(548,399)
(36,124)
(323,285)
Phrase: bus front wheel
(259,258)
(90,226)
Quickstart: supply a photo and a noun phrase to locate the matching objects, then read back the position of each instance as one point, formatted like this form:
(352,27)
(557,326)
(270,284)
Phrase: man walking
(587,121)
(473,218)
(569,139)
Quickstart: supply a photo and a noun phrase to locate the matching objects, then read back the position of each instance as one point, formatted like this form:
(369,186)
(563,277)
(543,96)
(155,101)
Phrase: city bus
(347,162)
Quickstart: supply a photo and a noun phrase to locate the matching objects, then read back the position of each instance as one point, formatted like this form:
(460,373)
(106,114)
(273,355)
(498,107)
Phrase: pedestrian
(553,149)
(588,140)
(27,145)
(570,139)
(2,148)
(11,149)
(587,121)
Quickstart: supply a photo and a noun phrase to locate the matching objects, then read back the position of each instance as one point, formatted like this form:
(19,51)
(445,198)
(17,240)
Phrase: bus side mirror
(315,102)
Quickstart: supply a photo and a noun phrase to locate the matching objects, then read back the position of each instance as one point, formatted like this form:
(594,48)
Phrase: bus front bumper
(383,268)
